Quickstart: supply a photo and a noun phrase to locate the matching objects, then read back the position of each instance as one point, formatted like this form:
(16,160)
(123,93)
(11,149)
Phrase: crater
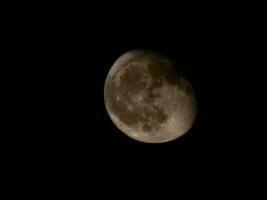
(154,116)
(149,115)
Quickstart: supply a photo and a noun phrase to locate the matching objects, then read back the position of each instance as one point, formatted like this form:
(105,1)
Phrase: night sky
(72,136)
(84,132)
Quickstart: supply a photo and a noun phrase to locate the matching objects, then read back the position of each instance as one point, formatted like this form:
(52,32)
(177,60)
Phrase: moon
(148,98)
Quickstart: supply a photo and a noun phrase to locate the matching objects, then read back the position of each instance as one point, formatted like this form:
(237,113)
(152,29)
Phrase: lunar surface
(148,98)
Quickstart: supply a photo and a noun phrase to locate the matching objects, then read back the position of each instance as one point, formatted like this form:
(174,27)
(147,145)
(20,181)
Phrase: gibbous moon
(148,98)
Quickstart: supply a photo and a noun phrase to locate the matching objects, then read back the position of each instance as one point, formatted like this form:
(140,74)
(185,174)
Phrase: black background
(69,137)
